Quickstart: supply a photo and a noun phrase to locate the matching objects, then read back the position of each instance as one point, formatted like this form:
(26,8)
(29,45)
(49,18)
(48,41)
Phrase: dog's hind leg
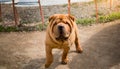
(77,45)
(77,41)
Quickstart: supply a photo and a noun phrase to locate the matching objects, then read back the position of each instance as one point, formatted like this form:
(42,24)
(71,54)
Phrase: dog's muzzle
(61,33)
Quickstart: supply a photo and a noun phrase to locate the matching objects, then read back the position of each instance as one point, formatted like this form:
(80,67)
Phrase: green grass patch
(86,21)
(7,29)
(102,19)
(111,17)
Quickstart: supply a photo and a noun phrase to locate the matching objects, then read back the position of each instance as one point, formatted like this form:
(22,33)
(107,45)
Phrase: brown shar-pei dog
(62,32)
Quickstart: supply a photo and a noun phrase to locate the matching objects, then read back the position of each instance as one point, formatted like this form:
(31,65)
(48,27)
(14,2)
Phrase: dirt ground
(26,50)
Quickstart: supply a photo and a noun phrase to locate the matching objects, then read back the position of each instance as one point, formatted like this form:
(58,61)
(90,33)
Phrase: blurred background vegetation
(84,13)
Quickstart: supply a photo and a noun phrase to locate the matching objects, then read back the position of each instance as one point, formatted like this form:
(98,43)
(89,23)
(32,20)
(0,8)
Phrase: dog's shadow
(34,64)
(39,63)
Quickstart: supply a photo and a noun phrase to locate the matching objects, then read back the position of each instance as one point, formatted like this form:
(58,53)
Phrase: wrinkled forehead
(61,18)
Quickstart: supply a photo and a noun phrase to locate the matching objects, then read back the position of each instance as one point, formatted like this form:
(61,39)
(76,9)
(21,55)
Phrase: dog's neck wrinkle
(52,39)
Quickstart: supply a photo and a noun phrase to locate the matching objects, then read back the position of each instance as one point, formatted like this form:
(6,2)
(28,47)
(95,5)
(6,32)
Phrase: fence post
(69,7)
(110,4)
(96,7)
(15,12)
(106,3)
(41,13)
(0,13)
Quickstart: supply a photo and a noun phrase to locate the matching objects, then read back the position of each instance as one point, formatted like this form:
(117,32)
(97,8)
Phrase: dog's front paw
(79,50)
(64,61)
(47,65)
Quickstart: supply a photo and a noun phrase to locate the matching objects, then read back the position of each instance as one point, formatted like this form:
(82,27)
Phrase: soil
(26,50)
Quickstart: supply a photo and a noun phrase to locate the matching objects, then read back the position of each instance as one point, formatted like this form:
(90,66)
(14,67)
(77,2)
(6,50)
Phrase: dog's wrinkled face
(61,25)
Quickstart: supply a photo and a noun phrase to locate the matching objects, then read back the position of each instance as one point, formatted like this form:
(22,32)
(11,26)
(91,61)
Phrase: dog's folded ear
(71,17)
(52,18)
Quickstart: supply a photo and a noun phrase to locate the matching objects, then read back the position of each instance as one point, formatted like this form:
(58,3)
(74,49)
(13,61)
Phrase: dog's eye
(54,24)
(66,22)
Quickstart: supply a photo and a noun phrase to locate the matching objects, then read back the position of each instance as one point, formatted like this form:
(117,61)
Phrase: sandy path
(25,50)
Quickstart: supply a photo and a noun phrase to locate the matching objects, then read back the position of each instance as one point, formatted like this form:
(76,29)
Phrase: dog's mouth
(62,34)
(61,38)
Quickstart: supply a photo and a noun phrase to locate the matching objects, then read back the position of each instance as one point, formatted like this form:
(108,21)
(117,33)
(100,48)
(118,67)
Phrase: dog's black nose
(60,28)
